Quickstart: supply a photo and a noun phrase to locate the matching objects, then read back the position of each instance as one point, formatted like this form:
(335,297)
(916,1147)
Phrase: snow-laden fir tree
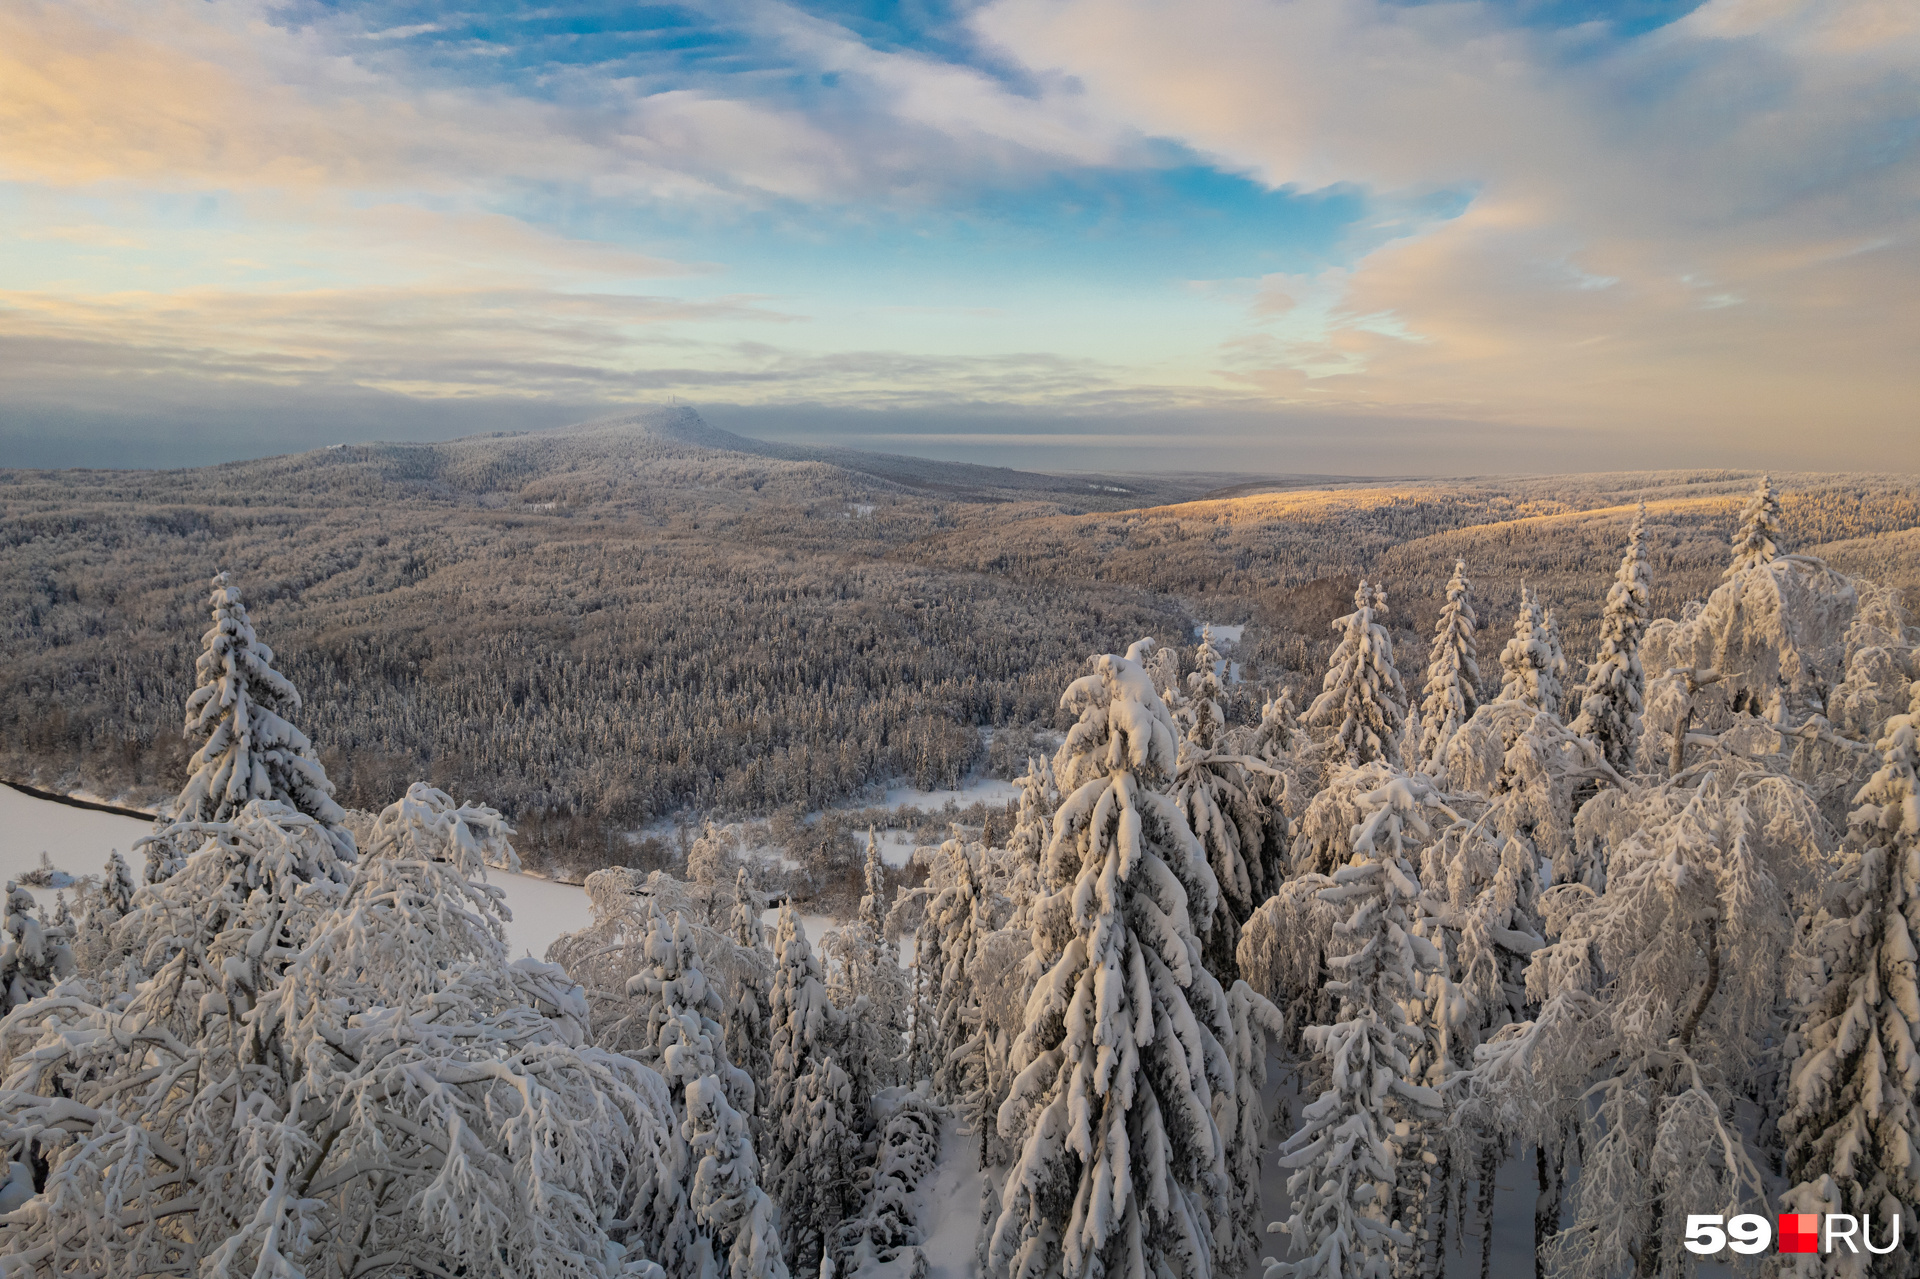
(413,1101)
(674,1014)
(1607,706)
(1227,807)
(883,1238)
(742,1224)
(1124,1069)
(750,998)
(806,1029)
(248,748)
(949,943)
(1527,660)
(1354,1171)
(1852,1122)
(116,884)
(1557,664)
(680,1010)
(34,956)
(710,860)
(1361,698)
(1278,734)
(1032,827)
(867,984)
(1453,669)
(818,1139)
(874,899)
(1757,541)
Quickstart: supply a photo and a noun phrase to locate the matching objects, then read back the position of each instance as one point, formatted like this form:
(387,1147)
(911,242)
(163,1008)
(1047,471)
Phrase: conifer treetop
(1361,695)
(249,750)
(1453,669)
(1609,704)
(1758,540)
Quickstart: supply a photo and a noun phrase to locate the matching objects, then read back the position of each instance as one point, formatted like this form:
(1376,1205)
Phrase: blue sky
(1303,235)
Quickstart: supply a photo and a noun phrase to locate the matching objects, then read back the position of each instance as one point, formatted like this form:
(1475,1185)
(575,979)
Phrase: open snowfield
(76,840)
(988,790)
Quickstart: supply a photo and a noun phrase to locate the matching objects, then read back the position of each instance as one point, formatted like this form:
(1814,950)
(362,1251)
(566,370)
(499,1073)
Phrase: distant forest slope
(599,626)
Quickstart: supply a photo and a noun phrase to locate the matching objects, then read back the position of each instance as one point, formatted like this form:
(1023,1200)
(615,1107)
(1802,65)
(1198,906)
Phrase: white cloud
(1753,144)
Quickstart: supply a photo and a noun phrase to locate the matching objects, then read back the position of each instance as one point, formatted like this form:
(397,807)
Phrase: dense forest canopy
(603,626)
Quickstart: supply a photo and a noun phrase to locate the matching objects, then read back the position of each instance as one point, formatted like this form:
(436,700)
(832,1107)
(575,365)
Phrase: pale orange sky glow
(1314,234)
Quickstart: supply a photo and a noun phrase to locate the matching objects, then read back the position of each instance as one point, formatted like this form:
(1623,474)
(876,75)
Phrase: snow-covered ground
(1222,634)
(76,840)
(977,790)
(950,1206)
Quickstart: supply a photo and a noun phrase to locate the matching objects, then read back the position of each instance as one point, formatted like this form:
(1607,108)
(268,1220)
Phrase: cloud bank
(1232,225)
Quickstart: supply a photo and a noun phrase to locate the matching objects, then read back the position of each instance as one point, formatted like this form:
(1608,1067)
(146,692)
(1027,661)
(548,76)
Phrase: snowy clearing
(978,790)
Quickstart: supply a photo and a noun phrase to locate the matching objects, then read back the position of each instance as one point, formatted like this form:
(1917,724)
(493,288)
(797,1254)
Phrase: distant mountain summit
(668,424)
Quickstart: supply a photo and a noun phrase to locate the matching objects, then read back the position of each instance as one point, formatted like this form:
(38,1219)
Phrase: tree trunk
(1679,753)
(1489,1173)
(1546,1209)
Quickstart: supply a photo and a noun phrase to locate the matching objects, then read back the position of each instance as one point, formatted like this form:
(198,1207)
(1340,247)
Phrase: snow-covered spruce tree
(867,984)
(1852,1122)
(1278,733)
(750,995)
(883,1238)
(673,1003)
(1123,1066)
(742,1224)
(1257,1026)
(1557,664)
(818,1137)
(1361,698)
(1453,669)
(116,884)
(413,1102)
(806,1028)
(1220,793)
(249,749)
(710,860)
(958,921)
(674,1013)
(1356,1172)
(875,899)
(1757,541)
(1032,827)
(1609,703)
(1527,660)
(34,956)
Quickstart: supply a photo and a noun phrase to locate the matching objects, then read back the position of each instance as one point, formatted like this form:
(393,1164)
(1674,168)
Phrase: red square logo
(1799,1232)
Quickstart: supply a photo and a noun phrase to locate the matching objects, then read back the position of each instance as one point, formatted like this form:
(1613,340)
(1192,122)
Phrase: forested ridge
(603,626)
(1645,912)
